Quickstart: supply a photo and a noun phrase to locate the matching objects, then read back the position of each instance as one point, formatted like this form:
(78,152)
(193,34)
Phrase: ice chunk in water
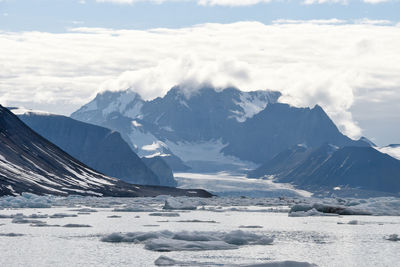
(181,204)
(182,241)
(76,225)
(165,214)
(11,234)
(394,237)
(166,244)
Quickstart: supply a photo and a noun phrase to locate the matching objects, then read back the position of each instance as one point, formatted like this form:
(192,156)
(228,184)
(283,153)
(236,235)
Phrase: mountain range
(99,148)
(118,134)
(328,168)
(212,130)
(31,163)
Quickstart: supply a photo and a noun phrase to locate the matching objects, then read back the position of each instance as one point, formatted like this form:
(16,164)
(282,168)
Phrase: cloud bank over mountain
(332,65)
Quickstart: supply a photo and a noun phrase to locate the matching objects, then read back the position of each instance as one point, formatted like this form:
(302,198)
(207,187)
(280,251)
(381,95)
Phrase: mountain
(392,150)
(280,126)
(30,163)
(97,147)
(329,167)
(212,130)
(161,169)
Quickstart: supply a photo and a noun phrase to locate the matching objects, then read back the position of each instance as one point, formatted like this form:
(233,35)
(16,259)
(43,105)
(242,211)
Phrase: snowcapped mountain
(30,163)
(392,150)
(280,126)
(330,168)
(97,147)
(211,130)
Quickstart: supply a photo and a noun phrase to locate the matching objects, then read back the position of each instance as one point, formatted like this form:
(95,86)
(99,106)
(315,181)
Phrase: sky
(55,55)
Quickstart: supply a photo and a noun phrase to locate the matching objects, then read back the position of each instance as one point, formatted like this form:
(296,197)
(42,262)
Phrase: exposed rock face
(99,148)
(334,168)
(30,163)
(162,170)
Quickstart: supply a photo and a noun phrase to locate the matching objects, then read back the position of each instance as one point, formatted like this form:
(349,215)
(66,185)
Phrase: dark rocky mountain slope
(30,163)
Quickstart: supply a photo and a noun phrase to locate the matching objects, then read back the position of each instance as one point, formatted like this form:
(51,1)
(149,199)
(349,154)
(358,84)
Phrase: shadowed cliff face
(162,170)
(330,167)
(100,148)
(30,163)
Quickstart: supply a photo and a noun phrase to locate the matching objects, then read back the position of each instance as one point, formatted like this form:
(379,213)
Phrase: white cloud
(328,64)
(231,2)
(344,2)
(373,22)
(199,2)
(313,21)
(311,2)
(376,1)
(238,3)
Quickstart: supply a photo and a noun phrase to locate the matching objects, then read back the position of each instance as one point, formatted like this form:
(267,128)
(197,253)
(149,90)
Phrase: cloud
(231,2)
(199,2)
(311,2)
(311,63)
(238,3)
(313,21)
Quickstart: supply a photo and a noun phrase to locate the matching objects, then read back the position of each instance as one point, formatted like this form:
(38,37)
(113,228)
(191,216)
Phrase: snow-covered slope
(392,150)
(30,163)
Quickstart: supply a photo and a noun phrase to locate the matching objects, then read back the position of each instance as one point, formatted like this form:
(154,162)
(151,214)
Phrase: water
(319,240)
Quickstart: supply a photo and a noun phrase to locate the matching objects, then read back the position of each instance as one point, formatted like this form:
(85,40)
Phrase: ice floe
(166,261)
(76,225)
(394,237)
(296,206)
(323,209)
(180,204)
(251,226)
(11,234)
(165,214)
(190,241)
(196,221)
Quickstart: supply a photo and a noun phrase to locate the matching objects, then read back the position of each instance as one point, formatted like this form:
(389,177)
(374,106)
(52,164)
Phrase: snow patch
(250,105)
(393,151)
(136,124)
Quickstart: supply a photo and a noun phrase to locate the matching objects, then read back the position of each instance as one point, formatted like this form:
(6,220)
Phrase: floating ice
(22,220)
(165,214)
(353,222)
(26,200)
(44,224)
(76,225)
(62,215)
(165,261)
(113,216)
(180,204)
(394,237)
(320,209)
(183,241)
(10,234)
(89,210)
(196,221)
(282,264)
(166,244)
(311,212)
(139,208)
